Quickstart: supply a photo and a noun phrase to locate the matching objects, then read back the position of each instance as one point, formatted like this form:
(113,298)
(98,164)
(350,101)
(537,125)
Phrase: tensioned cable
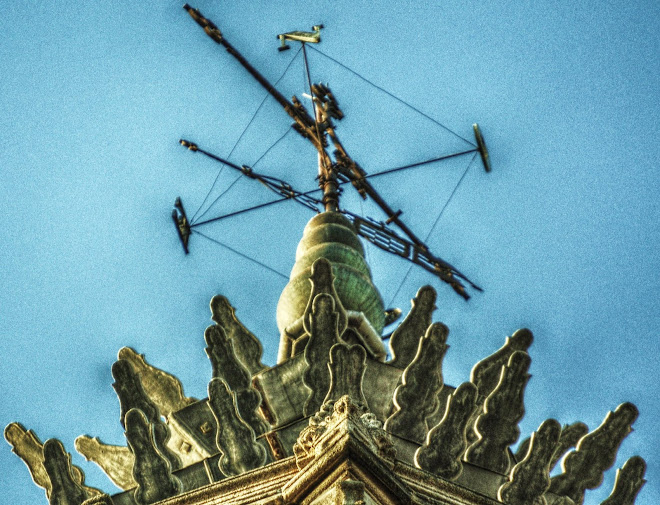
(435,224)
(450,197)
(241,136)
(241,175)
(219,196)
(255,207)
(263,102)
(393,96)
(307,193)
(417,164)
(242,255)
(271,147)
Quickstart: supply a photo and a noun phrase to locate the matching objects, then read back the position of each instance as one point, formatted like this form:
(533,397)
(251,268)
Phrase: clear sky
(562,235)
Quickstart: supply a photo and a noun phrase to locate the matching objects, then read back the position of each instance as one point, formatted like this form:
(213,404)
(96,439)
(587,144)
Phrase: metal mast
(317,128)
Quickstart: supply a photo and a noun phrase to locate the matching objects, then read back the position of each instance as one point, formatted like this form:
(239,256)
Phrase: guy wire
(239,139)
(393,96)
(403,280)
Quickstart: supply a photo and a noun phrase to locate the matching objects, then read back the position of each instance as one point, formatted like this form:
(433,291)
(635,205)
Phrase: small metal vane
(483,151)
(314,37)
(181,223)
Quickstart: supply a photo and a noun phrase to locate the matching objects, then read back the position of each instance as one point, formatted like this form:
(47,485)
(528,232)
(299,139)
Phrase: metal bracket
(181,222)
(384,238)
(483,150)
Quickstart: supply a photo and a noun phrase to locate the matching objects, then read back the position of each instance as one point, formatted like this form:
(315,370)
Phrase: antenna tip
(190,145)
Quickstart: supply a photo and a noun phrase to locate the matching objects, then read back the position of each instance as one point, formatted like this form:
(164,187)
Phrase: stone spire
(333,421)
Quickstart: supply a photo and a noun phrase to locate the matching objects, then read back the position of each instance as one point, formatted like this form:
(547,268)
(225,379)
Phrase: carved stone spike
(445,444)
(244,401)
(235,438)
(129,390)
(57,463)
(595,452)
(228,367)
(151,470)
(224,361)
(416,399)
(530,478)
(486,373)
(116,461)
(497,428)
(162,388)
(246,346)
(405,339)
(323,336)
(322,280)
(347,365)
(131,395)
(629,480)
(570,434)
(27,446)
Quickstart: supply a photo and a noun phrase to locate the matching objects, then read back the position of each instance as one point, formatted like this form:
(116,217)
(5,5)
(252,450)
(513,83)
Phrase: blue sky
(562,235)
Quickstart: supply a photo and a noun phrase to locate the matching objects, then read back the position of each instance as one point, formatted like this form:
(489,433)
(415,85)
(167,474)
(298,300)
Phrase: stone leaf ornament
(246,346)
(226,366)
(497,427)
(64,489)
(629,480)
(347,366)
(405,339)
(530,478)
(131,395)
(116,461)
(595,452)
(235,438)
(323,335)
(416,399)
(445,444)
(151,469)
(486,373)
(344,399)
(322,280)
(162,388)
(27,446)
(570,435)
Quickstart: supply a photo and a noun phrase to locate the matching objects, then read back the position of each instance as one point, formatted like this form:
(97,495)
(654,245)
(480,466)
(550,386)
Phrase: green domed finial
(329,235)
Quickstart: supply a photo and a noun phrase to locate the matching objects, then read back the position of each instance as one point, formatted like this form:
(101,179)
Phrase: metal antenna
(343,168)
